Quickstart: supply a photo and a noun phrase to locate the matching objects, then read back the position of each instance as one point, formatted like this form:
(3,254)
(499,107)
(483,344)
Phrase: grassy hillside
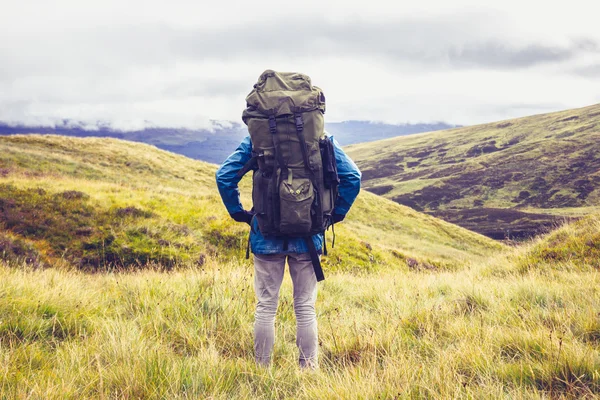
(571,246)
(412,307)
(510,178)
(102,203)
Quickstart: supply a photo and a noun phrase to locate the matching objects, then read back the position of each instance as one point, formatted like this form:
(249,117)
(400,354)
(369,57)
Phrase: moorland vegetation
(121,276)
(507,180)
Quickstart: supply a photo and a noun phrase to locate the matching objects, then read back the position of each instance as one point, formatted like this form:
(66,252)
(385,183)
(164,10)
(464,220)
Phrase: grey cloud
(200,87)
(587,44)
(498,55)
(429,43)
(589,71)
(433,43)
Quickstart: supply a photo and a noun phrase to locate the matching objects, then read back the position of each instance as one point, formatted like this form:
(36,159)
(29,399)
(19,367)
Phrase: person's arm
(228,179)
(349,186)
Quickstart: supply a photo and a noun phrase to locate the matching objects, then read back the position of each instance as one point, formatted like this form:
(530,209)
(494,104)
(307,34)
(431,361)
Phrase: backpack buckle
(272,124)
(299,122)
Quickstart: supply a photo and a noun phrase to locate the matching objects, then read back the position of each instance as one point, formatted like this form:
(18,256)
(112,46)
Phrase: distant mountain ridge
(352,132)
(215,145)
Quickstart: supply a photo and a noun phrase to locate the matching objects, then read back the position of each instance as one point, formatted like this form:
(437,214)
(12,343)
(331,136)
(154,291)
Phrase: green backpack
(295,178)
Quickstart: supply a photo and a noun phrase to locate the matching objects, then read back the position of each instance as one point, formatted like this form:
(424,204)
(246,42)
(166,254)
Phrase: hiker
(315,185)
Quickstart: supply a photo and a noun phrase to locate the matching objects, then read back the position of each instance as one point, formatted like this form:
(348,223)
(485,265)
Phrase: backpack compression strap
(251,164)
(314,256)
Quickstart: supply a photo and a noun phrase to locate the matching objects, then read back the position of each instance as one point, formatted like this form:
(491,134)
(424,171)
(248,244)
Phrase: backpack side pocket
(262,201)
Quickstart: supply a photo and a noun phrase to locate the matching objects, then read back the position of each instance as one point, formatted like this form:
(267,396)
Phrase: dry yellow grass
(482,332)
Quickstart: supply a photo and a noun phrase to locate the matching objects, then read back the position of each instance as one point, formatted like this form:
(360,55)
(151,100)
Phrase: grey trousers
(268,275)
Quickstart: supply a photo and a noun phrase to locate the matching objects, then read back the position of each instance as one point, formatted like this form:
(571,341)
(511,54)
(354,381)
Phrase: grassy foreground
(494,330)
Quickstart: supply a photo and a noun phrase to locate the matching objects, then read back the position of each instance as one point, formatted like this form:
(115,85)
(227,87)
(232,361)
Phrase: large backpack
(295,178)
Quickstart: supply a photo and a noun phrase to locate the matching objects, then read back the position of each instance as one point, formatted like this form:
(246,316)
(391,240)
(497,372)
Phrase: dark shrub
(132,212)
(15,250)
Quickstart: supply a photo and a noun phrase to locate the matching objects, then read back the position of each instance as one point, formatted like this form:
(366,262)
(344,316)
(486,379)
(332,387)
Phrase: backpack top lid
(284,93)
(271,80)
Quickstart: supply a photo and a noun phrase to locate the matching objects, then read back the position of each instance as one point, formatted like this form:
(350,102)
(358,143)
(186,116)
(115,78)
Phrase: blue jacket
(227,182)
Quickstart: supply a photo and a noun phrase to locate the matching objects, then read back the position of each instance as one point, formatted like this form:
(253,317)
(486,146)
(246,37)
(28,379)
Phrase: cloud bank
(186,64)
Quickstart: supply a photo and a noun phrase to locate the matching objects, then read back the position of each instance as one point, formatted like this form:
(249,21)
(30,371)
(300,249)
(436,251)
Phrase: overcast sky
(184,63)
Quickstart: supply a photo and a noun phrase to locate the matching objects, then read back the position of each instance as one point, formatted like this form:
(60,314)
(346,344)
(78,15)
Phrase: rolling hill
(507,179)
(95,203)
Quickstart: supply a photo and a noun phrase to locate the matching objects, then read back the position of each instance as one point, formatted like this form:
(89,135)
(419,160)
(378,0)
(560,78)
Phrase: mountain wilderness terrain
(216,144)
(95,203)
(123,277)
(508,179)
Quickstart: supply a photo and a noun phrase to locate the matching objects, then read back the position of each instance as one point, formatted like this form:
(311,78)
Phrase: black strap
(333,234)
(279,162)
(251,164)
(248,245)
(324,244)
(300,133)
(279,158)
(314,256)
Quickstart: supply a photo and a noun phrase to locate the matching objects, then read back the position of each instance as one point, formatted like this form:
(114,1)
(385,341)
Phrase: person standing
(303,183)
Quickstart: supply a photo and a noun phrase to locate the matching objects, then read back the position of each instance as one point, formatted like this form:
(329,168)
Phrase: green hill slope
(573,246)
(510,178)
(102,203)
